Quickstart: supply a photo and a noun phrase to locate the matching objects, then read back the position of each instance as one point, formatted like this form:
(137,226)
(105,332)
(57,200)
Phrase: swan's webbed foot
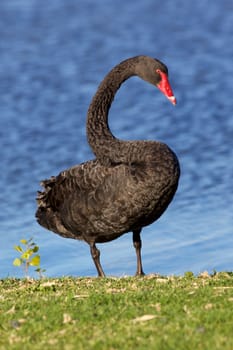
(95,253)
(138,245)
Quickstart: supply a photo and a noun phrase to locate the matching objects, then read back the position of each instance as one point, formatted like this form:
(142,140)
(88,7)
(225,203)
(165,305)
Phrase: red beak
(165,87)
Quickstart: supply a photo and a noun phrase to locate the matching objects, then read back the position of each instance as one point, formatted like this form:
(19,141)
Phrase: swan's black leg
(138,245)
(95,253)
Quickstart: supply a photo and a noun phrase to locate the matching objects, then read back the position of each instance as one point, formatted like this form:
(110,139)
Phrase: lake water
(53,55)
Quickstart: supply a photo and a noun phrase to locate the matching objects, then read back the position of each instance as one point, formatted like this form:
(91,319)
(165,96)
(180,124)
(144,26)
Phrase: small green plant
(28,256)
(188,275)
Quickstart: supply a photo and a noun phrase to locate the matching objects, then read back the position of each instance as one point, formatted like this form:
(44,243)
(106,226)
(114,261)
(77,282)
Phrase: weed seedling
(28,256)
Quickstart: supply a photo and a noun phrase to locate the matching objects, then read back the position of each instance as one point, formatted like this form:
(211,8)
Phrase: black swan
(126,187)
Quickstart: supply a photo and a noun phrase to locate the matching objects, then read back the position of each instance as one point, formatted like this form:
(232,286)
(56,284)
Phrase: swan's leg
(95,253)
(138,245)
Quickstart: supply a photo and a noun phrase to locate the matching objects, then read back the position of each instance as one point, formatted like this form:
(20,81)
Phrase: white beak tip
(172,99)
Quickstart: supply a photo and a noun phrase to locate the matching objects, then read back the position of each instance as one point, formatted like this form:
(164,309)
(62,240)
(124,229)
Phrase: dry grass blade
(144,318)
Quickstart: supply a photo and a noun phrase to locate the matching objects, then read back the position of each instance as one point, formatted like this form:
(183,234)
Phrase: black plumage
(129,184)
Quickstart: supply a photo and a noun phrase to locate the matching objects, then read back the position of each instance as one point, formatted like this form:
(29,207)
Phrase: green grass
(152,312)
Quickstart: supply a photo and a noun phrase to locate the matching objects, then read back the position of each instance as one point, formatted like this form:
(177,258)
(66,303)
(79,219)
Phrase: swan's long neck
(103,143)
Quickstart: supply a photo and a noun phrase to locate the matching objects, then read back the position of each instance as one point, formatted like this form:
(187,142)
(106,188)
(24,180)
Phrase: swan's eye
(159,72)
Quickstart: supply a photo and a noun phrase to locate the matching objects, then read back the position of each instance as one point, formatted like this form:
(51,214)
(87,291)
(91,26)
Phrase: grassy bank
(118,313)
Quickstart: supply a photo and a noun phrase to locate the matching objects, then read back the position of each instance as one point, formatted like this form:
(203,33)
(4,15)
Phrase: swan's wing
(98,199)
(90,199)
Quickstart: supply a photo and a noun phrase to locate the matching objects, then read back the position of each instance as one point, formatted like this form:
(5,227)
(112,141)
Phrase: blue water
(52,57)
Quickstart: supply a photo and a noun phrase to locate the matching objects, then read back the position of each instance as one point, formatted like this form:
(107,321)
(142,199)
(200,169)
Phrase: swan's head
(156,73)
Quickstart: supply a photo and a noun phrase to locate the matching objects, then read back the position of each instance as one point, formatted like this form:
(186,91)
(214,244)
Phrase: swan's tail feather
(46,214)
(43,200)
